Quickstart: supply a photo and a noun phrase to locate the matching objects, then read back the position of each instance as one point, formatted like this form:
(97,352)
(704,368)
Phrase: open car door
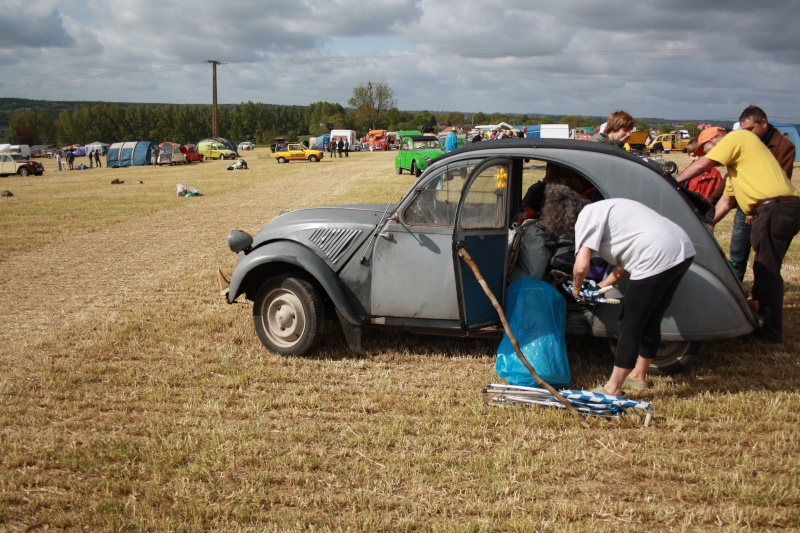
(482,226)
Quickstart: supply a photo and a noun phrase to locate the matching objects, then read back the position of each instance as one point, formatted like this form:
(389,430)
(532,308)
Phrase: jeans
(740,244)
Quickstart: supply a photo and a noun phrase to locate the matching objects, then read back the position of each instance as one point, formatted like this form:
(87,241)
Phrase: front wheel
(313,158)
(398,170)
(281,160)
(23,172)
(222,157)
(288,314)
(670,167)
(415,170)
(203,159)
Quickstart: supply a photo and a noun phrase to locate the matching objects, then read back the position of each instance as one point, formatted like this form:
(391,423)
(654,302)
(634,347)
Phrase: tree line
(373,106)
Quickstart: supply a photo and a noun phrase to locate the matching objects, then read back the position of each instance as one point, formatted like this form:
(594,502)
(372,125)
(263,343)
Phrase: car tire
(672,358)
(222,157)
(288,314)
(670,167)
(414,170)
(313,158)
(23,172)
(204,158)
(281,160)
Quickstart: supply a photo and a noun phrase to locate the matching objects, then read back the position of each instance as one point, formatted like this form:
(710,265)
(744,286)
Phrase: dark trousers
(774,226)
(646,300)
(740,244)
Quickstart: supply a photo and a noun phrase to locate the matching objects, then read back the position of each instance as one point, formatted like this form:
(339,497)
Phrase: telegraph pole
(214,63)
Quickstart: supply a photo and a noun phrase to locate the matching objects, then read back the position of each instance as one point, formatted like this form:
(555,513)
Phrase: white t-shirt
(633,236)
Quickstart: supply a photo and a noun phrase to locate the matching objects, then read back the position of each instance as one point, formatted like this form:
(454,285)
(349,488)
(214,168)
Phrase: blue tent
(793,134)
(132,153)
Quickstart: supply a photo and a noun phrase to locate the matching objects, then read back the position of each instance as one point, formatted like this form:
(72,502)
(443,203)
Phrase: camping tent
(97,145)
(132,153)
(791,131)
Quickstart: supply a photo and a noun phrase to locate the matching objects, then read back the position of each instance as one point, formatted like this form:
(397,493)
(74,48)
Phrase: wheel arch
(289,257)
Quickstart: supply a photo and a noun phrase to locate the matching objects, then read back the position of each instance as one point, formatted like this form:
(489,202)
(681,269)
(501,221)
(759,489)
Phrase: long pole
(214,129)
(462,252)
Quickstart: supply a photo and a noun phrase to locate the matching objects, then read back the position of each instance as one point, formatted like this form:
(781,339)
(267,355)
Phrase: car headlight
(239,241)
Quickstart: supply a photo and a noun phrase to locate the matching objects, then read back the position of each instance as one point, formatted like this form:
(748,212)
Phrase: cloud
(31,25)
(679,59)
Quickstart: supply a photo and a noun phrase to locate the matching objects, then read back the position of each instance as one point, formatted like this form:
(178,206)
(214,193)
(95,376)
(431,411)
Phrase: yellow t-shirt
(753,172)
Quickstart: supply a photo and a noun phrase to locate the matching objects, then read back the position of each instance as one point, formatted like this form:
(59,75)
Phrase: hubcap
(285,321)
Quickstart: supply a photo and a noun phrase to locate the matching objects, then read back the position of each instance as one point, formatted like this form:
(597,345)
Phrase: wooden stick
(462,252)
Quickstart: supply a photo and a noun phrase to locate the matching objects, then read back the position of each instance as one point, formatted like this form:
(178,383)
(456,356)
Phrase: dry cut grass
(132,398)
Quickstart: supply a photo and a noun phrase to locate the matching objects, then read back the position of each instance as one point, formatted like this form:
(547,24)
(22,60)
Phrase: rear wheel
(288,314)
(398,170)
(672,357)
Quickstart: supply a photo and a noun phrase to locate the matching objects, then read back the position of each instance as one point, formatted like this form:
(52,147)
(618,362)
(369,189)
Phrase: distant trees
(371,101)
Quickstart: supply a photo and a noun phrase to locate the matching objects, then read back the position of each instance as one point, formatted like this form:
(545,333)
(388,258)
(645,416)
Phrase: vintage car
(397,265)
(296,152)
(191,154)
(215,150)
(14,164)
(171,154)
(415,153)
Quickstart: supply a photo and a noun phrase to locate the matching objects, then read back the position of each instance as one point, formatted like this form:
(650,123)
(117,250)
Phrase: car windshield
(426,144)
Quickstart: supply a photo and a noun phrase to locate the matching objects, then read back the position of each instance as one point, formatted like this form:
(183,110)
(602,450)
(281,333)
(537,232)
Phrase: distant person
(758,184)
(332,147)
(71,159)
(617,129)
(710,184)
(154,154)
(58,159)
(97,158)
(340,147)
(91,158)
(451,141)
(347,148)
(754,119)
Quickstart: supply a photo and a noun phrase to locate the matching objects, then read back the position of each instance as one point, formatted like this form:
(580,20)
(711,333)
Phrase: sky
(676,59)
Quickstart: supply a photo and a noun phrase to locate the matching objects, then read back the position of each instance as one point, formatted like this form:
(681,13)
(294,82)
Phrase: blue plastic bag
(537,315)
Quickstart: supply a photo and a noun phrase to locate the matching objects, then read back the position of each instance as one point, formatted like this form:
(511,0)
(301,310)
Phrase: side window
(484,203)
(436,202)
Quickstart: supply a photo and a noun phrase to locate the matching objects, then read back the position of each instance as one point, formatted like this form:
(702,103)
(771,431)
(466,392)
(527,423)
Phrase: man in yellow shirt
(760,187)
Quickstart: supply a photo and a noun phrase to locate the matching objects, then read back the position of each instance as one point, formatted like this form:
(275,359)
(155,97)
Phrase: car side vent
(334,241)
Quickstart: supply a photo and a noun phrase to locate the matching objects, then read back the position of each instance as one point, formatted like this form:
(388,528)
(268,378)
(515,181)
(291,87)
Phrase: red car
(191,154)
(381,143)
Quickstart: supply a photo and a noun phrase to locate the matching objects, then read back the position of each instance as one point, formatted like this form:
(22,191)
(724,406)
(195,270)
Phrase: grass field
(132,398)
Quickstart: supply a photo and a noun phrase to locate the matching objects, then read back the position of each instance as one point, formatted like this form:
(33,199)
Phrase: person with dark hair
(754,119)
(619,127)
(760,187)
(97,158)
(640,243)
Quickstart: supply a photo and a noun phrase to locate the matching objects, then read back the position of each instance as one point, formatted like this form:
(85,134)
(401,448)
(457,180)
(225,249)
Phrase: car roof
(421,137)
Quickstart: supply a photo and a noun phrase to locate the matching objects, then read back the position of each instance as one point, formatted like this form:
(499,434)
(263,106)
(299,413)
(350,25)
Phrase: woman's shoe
(636,385)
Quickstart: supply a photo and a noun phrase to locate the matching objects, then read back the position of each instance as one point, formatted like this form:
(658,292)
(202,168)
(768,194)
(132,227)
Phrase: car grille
(334,241)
